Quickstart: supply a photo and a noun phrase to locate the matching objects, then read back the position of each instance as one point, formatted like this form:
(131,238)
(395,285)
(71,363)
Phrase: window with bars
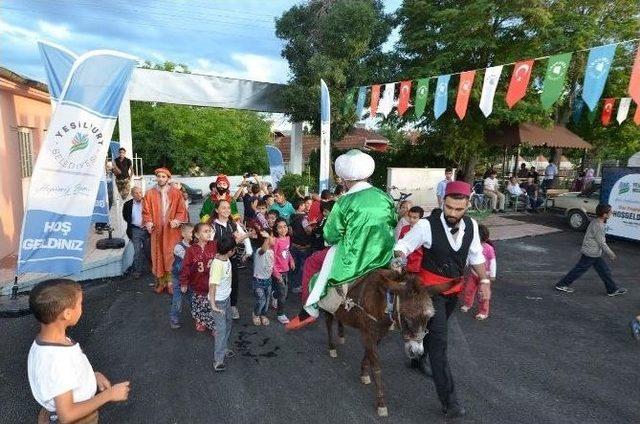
(25,140)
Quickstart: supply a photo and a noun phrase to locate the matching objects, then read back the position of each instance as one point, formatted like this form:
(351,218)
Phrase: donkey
(367,308)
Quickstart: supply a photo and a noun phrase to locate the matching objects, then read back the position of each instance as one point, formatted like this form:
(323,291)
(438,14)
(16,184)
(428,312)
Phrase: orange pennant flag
(636,117)
(464,91)
(375,97)
(634,82)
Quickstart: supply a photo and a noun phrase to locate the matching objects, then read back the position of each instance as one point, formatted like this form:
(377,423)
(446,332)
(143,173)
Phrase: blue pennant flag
(595,75)
(362,94)
(442,92)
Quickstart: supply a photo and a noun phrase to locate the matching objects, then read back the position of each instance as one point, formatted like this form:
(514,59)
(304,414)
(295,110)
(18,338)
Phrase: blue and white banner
(325,136)
(114,149)
(621,189)
(362,94)
(595,75)
(70,165)
(58,62)
(276,164)
(442,95)
(101,207)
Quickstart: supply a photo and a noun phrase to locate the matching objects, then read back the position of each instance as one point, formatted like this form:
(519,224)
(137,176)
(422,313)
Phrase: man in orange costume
(163,211)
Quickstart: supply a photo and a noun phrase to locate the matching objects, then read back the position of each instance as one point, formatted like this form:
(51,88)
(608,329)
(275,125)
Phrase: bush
(289,182)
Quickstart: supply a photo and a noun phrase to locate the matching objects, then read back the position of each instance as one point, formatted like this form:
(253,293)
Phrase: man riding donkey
(449,240)
(360,232)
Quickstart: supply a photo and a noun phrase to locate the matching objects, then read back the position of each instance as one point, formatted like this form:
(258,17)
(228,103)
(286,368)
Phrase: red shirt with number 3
(195,267)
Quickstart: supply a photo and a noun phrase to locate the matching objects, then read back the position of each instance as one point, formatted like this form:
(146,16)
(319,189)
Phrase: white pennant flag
(489,85)
(386,103)
(623,109)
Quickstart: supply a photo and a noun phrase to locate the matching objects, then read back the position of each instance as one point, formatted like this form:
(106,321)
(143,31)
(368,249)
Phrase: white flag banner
(67,173)
(386,103)
(623,109)
(325,136)
(489,85)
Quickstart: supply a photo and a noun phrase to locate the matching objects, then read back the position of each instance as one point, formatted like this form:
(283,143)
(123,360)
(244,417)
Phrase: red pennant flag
(607,111)
(375,96)
(634,82)
(519,82)
(636,117)
(464,91)
(403,97)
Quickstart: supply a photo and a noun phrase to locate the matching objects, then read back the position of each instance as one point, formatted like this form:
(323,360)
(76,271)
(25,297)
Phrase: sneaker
(465,308)
(219,367)
(274,304)
(256,320)
(481,317)
(635,328)
(296,323)
(282,319)
(175,325)
(618,292)
(565,289)
(455,411)
(229,353)
(264,320)
(200,327)
(234,313)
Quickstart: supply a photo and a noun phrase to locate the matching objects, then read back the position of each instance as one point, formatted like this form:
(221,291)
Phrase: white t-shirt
(491,184)
(220,276)
(263,264)
(54,369)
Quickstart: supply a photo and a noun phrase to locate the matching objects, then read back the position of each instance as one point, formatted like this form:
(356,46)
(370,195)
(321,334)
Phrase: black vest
(440,258)
(298,235)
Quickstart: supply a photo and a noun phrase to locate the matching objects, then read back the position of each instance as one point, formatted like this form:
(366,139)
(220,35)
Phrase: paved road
(542,357)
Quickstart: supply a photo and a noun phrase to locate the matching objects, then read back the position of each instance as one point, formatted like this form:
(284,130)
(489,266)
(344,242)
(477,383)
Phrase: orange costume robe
(163,237)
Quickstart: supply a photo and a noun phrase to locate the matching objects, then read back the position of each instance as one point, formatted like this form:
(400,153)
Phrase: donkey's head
(412,309)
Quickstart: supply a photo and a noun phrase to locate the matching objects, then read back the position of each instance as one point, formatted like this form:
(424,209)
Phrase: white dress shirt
(136,214)
(420,235)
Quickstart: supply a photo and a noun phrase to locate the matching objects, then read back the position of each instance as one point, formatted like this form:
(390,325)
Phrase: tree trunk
(469,168)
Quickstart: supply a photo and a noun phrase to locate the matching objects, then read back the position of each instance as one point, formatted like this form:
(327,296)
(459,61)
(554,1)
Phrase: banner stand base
(110,243)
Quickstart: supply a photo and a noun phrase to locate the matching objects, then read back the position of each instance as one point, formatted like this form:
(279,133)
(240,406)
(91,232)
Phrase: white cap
(354,165)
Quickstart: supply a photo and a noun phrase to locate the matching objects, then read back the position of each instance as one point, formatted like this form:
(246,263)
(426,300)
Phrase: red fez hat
(163,171)
(223,179)
(458,187)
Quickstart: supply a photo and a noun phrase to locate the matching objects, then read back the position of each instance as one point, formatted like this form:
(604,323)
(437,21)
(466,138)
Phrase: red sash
(430,279)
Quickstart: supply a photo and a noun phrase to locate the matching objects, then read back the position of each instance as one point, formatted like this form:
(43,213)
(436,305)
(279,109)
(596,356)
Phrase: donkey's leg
(341,338)
(364,370)
(332,347)
(374,360)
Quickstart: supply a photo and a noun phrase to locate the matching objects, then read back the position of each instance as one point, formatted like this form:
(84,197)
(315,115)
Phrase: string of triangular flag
(608,107)
(596,72)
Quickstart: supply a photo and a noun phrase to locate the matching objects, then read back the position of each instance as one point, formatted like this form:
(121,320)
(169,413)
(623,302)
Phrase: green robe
(209,206)
(360,225)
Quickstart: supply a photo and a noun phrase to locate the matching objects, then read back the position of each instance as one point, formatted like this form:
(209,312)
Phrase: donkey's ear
(392,280)
(440,288)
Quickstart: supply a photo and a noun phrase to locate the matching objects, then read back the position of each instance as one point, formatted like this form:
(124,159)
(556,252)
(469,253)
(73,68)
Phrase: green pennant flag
(420,101)
(592,115)
(554,79)
(348,101)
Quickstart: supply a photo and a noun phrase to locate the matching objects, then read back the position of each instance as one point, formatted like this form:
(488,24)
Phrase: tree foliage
(441,37)
(217,140)
(338,41)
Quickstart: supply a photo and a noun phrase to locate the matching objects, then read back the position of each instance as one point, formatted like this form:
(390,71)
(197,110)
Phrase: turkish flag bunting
(607,111)
(464,91)
(519,82)
(634,82)
(636,117)
(403,98)
(375,97)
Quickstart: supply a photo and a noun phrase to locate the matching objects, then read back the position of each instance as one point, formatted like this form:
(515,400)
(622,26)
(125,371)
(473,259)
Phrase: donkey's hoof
(365,379)
(383,411)
(341,340)
(333,353)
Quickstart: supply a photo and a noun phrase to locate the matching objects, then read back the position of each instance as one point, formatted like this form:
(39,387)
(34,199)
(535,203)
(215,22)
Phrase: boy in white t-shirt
(220,298)
(60,375)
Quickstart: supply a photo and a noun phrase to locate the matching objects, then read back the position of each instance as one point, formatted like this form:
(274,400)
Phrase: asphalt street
(542,356)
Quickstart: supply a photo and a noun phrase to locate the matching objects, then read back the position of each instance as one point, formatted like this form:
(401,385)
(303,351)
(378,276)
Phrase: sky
(221,37)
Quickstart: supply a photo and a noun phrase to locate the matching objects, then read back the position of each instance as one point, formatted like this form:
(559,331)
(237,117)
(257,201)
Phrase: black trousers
(435,345)
(235,262)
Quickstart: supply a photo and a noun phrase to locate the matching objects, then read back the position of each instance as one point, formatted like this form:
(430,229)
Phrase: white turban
(354,165)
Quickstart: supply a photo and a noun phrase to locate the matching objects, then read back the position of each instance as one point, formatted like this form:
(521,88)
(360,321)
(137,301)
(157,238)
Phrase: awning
(535,135)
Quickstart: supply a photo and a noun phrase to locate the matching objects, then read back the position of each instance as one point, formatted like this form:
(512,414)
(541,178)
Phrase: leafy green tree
(217,140)
(338,41)
(445,36)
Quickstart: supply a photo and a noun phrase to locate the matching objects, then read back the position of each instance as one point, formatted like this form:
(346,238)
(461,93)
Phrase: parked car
(578,207)
(195,194)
